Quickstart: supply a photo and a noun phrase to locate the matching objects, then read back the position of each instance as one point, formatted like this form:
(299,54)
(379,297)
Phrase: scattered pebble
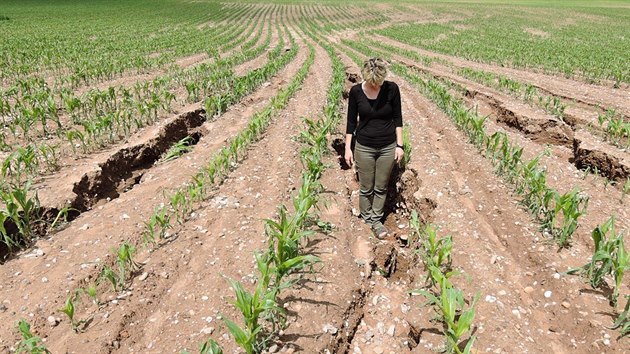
(143,276)
(207,330)
(52,321)
(405,308)
(529,289)
(391,330)
(548,294)
(566,305)
(328,328)
(516,313)
(380,327)
(490,298)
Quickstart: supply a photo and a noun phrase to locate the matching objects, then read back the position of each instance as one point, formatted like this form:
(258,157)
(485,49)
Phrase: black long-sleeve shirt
(378,119)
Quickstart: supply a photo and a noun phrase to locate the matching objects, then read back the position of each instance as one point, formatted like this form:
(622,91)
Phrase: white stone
(391,330)
(207,330)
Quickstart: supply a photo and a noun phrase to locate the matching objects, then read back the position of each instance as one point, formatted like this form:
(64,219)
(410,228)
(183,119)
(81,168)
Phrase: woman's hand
(349,158)
(399,154)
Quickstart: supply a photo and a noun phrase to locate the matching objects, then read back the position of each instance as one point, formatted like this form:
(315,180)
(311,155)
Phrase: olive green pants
(374,166)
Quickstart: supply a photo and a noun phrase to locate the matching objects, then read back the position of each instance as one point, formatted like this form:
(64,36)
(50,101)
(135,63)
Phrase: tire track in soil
(69,256)
(472,209)
(222,241)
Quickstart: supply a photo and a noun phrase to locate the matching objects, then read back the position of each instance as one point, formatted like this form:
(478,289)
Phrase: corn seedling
(180,206)
(435,252)
(284,244)
(406,148)
(252,307)
(208,347)
(92,293)
(22,210)
(572,205)
(625,188)
(109,274)
(68,309)
(178,149)
(30,343)
(126,265)
(62,216)
(623,320)
(610,258)
(157,226)
(451,309)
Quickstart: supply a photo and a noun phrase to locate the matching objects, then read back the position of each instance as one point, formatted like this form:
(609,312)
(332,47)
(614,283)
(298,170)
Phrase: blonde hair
(374,71)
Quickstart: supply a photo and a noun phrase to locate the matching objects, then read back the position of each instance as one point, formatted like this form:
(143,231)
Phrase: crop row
(616,129)
(22,207)
(102,117)
(557,213)
(556,41)
(120,276)
(81,54)
(283,256)
(447,299)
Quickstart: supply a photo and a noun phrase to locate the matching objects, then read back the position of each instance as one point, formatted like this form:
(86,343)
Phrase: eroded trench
(123,170)
(391,260)
(586,155)
(119,174)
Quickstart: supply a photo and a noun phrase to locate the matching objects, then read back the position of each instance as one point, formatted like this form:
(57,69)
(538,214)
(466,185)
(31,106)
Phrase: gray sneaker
(379,230)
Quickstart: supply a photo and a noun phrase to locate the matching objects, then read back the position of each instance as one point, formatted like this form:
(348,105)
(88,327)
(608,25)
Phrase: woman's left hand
(399,154)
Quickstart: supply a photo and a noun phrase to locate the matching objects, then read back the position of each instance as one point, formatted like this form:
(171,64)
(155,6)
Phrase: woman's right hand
(349,158)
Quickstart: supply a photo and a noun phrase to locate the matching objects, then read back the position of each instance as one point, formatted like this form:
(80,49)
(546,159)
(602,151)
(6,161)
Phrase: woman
(375,118)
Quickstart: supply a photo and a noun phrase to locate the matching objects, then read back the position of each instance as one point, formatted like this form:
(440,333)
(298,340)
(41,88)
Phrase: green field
(575,41)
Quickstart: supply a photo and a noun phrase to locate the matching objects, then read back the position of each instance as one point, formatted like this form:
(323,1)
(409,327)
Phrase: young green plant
(30,343)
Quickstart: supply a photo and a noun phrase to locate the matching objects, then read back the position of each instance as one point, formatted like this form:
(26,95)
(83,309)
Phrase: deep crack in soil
(125,168)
